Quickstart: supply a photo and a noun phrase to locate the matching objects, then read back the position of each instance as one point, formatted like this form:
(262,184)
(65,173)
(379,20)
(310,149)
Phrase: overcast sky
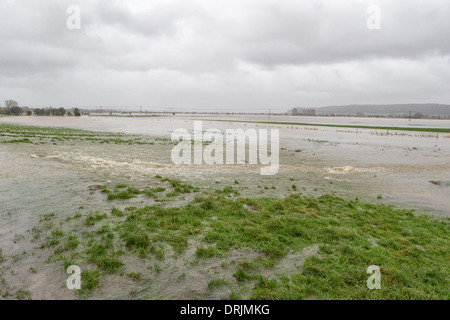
(248,55)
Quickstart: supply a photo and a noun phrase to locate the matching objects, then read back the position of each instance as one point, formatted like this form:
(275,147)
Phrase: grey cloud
(251,53)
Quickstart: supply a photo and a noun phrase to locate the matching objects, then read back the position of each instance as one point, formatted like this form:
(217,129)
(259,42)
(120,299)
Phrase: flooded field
(373,162)
(48,178)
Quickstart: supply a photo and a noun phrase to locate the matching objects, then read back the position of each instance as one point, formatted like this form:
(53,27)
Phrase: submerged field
(141,228)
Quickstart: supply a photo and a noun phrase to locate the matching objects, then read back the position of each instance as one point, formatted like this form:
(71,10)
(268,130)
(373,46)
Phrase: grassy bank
(435,130)
(342,237)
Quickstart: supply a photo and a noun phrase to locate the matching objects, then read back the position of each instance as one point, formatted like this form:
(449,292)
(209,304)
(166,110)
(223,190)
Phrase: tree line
(12,108)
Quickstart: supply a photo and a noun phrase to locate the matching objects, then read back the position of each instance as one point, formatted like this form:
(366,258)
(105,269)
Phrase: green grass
(120,193)
(10,133)
(228,191)
(180,187)
(90,280)
(135,276)
(241,275)
(123,191)
(204,253)
(217,283)
(412,251)
(93,218)
(23,295)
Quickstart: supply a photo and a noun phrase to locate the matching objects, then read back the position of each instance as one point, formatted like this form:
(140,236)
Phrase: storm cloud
(219,55)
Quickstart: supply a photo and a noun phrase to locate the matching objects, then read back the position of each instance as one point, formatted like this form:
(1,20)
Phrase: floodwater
(398,165)
(377,166)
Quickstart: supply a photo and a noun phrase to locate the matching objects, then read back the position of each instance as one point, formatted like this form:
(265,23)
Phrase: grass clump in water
(204,253)
(93,218)
(129,193)
(217,283)
(90,280)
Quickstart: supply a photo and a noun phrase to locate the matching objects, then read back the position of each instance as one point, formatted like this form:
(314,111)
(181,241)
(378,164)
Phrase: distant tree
(29,113)
(39,112)
(307,112)
(77,112)
(9,105)
(16,111)
(418,115)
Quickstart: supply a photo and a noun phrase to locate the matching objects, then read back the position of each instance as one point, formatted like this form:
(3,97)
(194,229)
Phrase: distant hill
(427,109)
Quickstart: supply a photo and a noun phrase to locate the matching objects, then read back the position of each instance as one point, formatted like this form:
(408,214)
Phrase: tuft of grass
(90,280)
(180,187)
(135,239)
(129,193)
(217,283)
(135,276)
(23,294)
(93,218)
(117,213)
(228,191)
(205,253)
(109,264)
(241,275)
(71,243)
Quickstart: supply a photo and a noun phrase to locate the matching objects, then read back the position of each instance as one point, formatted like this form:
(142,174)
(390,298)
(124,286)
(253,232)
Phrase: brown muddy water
(377,166)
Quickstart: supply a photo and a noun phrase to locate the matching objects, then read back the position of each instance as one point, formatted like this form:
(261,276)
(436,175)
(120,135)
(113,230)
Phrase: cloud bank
(236,55)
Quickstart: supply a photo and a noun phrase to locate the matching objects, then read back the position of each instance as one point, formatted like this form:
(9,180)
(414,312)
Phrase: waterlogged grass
(26,140)
(90,280)
(10,134)
(412,251)
(123,191)
(217,283)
